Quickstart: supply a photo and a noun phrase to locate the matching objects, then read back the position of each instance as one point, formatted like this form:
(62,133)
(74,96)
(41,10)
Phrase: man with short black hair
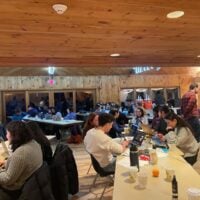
(101,146)
(189,109)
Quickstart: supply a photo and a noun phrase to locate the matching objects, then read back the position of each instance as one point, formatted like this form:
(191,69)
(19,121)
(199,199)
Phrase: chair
(89,168)
(102,173)
(38,186)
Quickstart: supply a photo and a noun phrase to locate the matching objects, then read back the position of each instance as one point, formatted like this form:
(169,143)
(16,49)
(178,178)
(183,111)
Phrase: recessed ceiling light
(115,55)
(59,8)
(175,14)
(198,56)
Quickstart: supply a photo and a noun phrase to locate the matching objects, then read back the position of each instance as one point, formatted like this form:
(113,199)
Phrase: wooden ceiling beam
(93,62)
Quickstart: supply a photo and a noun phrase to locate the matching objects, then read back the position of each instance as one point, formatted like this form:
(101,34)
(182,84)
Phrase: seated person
(32,111)
(139,119)
(76,134)
(156,118)
(70,114)
(18,116)
(101,146)
(26,158)
(40,137)
(116,129)
(159,124)
(122,119)
(51,111)
(182,136)
(42,108)
(97,108)
(92,122)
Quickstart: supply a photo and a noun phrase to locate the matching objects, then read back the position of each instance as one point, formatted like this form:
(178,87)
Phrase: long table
(157,187)
(58,124)
(65,123)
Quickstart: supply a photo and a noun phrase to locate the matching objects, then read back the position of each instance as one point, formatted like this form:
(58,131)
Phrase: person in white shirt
(101,146)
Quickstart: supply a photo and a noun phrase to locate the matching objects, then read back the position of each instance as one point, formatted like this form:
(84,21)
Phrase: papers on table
(125,162)
(161,153)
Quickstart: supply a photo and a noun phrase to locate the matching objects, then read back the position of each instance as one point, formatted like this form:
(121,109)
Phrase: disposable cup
(133,173)
(193,193)
(169,174)
(142,180)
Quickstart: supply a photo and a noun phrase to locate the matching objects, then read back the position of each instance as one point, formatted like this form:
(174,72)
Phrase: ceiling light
(51,70)
(115,55)
(198,56)
(141,69)
(59,8)
(175,14)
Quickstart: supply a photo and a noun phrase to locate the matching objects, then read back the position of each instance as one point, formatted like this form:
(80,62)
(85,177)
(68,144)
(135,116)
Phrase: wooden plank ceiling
(81,40)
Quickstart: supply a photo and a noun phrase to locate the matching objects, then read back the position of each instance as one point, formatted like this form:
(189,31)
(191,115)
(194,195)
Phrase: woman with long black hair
(182,136)
(40,137)
(92,122)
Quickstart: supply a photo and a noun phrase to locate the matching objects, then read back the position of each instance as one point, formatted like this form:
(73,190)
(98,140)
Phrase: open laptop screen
(138,138)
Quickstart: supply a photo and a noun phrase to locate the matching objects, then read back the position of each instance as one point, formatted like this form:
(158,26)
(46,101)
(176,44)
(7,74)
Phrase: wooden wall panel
(107,87)
(185,82)
(149,81)
(197,80)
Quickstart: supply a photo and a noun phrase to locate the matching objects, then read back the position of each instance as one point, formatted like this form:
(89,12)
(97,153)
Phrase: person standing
(190,111)
(159,99)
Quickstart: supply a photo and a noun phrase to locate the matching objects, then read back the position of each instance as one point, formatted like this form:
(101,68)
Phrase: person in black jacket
(42,140)
(38,186)
(64,173)
(161,125)
(116,129)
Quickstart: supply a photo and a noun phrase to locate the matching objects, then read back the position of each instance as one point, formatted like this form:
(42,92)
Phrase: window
(13,101)
(170,96)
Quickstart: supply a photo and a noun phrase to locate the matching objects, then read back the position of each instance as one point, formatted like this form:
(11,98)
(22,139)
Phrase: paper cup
(133,173)
(193,193)
(169,174)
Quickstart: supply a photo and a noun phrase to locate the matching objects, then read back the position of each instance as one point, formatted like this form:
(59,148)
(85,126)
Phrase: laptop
(138,138)
(157,143)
